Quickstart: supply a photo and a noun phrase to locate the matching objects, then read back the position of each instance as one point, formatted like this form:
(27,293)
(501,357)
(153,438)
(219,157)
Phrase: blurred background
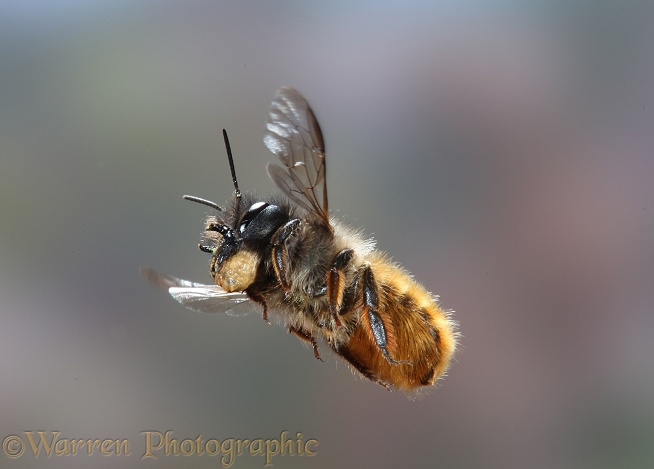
(501,151)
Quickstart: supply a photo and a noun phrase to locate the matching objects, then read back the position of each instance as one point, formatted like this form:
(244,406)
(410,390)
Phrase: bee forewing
(287,185)
(293,134)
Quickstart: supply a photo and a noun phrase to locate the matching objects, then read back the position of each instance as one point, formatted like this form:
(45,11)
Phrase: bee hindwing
(200,297)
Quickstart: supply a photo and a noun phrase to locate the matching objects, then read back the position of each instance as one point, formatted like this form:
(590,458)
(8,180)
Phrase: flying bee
(326,281)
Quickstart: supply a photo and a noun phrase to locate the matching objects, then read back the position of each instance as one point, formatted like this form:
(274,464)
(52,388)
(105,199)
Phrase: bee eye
(252,212)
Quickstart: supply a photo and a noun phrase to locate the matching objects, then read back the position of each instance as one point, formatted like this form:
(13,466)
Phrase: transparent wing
(293,134)
(212,299)
(166,281)
(200,297)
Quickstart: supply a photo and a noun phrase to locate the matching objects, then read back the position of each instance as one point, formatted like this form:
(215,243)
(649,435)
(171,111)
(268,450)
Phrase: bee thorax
(238,272)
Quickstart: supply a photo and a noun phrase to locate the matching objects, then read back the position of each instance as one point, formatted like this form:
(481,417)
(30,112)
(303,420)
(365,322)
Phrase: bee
(325,280)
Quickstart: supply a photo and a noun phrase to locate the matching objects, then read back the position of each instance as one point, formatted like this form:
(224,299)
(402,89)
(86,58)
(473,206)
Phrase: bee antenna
(230,158)
(206,202)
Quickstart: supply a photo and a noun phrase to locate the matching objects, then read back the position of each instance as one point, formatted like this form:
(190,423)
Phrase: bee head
(237,237)
(254,227)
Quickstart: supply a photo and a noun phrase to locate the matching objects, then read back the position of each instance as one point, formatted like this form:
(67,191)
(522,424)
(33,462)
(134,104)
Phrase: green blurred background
(501,151)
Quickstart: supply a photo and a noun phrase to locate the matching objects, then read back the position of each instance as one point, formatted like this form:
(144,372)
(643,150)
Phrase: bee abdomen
(424,335)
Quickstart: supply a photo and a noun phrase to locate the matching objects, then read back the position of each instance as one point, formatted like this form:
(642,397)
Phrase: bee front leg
(382,332)
(307,337)
(336,282)
(229,239)
(280,252)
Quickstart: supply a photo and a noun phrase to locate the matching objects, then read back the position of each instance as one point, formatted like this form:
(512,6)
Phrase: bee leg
(308,337)
(205,249)
(336,282)
(280,252)
(212,266)
(228,233)
(258,298)
(229,237)
(229,241)
(365,371)
(209,250)
(382,332)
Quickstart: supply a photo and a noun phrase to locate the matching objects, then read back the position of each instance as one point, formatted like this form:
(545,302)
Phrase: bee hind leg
(307,337)
(361,368)
(382,332)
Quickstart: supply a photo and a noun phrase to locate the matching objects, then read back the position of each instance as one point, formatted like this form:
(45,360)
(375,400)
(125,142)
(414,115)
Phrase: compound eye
(251,214)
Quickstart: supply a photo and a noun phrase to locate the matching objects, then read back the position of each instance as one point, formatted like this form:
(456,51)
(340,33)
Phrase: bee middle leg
(307,337)
(336,282)
(257,297)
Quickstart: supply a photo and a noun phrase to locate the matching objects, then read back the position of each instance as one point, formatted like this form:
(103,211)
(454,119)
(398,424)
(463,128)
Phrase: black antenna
(237,192)
(230,158)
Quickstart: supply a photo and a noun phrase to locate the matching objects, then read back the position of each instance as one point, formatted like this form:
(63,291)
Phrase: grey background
(502,152)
